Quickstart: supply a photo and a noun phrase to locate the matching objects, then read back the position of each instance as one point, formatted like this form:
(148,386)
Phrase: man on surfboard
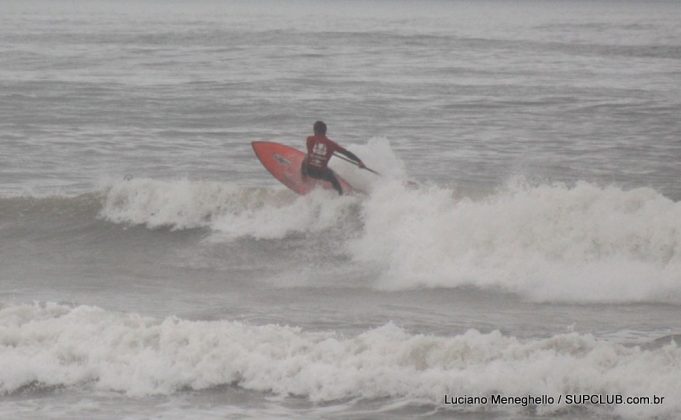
(319,150)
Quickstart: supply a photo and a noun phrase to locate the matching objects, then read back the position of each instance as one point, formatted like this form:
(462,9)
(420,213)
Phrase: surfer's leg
(324,174)
(331,177)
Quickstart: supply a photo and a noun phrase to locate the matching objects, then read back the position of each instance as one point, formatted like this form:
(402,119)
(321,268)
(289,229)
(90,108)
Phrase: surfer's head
(319,128)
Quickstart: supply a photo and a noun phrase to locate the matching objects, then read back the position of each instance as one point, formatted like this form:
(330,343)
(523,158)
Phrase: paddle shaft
(411,184)
(355,163)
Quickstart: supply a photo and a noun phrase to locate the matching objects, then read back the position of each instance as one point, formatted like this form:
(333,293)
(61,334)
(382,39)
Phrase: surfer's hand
(361,164)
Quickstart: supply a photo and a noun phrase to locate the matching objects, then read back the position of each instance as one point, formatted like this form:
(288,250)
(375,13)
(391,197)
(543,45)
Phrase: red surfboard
(284,162)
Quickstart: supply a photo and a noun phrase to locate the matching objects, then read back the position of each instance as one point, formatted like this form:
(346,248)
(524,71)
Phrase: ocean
(519,255)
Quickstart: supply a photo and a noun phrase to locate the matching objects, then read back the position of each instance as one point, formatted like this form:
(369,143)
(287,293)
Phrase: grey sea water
(151,268)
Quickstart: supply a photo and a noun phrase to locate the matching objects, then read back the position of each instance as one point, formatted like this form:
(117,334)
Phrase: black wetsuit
(325,174)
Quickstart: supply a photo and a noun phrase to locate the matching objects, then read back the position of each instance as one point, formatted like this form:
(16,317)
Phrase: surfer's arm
(351,156)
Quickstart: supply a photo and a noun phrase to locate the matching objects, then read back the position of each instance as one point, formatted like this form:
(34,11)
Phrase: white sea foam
(231,211)
(182,204)
(550,242)
(546,242)
(58,345)
(315,212)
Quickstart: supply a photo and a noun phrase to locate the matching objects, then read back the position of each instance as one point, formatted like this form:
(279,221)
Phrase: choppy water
(150,267)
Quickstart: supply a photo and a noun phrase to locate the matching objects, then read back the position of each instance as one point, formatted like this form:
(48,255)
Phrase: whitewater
(522,241)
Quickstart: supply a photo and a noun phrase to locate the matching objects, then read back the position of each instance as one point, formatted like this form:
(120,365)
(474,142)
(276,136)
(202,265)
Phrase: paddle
(410,184)
(355,163)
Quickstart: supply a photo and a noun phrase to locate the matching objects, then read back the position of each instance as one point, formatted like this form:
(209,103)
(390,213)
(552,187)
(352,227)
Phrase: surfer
(319,150)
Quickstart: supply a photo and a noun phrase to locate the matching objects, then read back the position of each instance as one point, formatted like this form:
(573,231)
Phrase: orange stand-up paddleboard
(284,162)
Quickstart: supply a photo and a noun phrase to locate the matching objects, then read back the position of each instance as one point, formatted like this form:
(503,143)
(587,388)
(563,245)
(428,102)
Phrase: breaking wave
(231,211)
(47,345)
(546,242)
